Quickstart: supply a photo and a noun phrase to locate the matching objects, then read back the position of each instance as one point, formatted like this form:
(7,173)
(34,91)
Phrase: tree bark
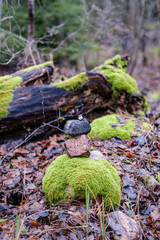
(34,105)
(31,25)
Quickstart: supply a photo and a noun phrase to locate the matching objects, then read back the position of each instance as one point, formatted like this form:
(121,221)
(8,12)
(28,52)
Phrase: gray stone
(79,147)
(79,127)
(67,125)
(96,155)
(124,227)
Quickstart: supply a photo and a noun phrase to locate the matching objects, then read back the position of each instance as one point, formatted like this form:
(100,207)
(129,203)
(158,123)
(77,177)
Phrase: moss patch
(109,126)
(115,71)
(73,83)
(49,63)
(155,95)
(139,113)
(158,178)
(117,62)
(68,178)
(145,104)
(146,126)
(7,86)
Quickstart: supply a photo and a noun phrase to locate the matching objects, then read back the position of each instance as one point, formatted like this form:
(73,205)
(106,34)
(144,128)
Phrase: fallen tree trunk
(33,105)
(31,75)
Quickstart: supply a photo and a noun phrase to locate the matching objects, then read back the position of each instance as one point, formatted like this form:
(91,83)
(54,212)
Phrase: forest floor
(24,212)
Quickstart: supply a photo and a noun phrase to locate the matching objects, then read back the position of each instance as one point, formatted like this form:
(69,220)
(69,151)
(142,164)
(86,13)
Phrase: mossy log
(33,105)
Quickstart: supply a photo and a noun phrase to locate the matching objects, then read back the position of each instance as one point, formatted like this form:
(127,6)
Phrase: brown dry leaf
(129,155)
(44,164)
(53,141)
(34,223)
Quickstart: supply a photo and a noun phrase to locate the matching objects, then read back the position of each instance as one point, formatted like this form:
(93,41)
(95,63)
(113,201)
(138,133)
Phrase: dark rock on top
(79,127)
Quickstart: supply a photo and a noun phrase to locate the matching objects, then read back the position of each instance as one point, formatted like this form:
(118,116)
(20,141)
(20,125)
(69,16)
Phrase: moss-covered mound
(68,178)
(116,126)
(109,126)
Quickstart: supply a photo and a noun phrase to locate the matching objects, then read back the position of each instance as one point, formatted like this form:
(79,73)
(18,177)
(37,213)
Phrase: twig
(157,8)
(32,134)
(6,18)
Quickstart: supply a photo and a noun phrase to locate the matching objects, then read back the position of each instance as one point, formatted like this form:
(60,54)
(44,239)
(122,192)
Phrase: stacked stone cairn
(69,175)
(80,144)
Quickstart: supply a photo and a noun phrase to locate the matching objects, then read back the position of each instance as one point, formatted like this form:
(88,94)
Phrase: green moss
(158,178)
(147,179)
(67,178)
(118,62)
(102,127)
(146,126)
(141,113)
(7,86)
(120,81)
(145,104)
(115,72)
(3,78)
(73,83)
(49,63)
(155,95)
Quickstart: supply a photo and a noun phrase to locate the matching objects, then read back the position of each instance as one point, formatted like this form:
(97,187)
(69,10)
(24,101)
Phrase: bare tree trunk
(158,8)
(1,4)
(139,9)
(31,24)
(28,51)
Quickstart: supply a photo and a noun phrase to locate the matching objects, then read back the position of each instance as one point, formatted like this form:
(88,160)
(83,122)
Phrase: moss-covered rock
(68,178)
(109,126)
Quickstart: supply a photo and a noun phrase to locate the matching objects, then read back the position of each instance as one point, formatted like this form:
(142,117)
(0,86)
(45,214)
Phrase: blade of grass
(87,209)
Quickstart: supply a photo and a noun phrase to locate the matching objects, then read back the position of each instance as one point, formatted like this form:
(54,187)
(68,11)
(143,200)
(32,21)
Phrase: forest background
(77,33)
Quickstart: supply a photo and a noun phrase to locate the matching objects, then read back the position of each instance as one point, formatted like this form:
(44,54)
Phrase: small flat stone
(79,127)
(121,120)
(96,155)
(79,147)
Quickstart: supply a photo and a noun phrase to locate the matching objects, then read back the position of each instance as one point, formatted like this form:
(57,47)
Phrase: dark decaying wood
(40,75)
(34,105)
